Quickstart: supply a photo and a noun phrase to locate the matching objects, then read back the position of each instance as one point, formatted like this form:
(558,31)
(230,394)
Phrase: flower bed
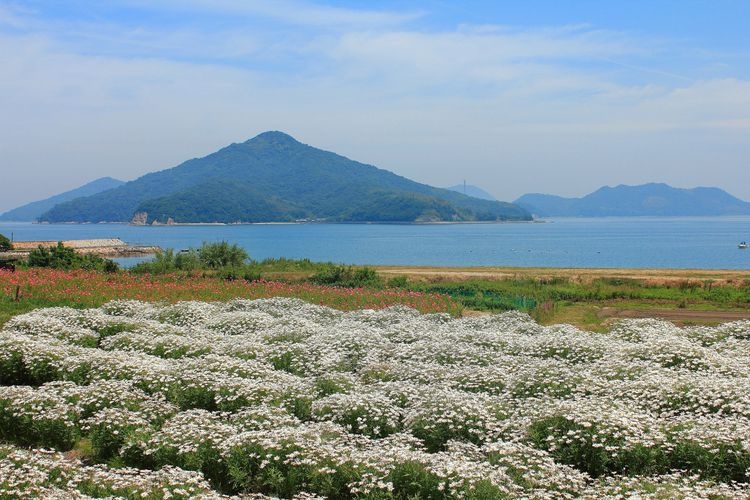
(282,397)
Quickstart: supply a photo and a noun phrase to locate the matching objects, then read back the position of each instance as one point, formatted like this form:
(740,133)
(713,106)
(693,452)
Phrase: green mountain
(32,211)
(646,199)
(474,191)
(273,177)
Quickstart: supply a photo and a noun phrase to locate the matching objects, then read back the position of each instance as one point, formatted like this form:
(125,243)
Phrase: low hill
(32,211)
(646,199)
(474,191)
(273,177)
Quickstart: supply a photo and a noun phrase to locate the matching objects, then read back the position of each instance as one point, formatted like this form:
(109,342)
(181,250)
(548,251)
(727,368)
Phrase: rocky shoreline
(111,247)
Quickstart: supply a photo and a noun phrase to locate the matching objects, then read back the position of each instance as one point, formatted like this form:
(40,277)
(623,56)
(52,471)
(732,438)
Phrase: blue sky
(524,96)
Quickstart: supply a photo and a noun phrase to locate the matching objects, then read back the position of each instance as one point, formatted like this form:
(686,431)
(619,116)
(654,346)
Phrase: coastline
(110,247)
(290,223)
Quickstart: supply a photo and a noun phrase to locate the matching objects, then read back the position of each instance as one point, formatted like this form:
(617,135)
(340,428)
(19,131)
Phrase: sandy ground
(580,275)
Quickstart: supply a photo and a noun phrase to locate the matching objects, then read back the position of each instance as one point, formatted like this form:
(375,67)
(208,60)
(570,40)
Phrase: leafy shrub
(5,244)
(162,263)
(590,449)
(59,257)
(169,261)
(187,260)
(229,259)
(251,274)
(347,276)
(62,257)
(398,282)
(31,418)
(247,273)
(222,254)
(110,428)
(724,462)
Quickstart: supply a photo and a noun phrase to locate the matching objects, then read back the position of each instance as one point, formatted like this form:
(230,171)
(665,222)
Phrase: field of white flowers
(282,398)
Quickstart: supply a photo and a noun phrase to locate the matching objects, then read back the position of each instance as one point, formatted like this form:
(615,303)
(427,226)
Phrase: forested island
(274,178)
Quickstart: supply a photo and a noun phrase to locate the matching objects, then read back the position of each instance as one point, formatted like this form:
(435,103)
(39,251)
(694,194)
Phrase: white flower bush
(283,398)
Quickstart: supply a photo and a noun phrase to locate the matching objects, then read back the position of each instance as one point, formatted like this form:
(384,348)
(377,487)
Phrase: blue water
(635,242)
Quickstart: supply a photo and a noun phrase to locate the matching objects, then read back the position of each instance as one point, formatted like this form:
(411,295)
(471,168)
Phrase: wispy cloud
(289,11)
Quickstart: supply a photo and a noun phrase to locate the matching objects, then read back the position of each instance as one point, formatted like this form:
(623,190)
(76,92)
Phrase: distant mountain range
(474,191)
(274,178)
(32,211)
(646,199)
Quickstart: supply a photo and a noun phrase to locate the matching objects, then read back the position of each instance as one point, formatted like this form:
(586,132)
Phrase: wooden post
(18,293)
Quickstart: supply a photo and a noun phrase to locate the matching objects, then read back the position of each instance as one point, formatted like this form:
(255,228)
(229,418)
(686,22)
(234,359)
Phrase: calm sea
(636,242)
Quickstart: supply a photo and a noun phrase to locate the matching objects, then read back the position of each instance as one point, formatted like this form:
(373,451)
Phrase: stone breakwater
(111,247)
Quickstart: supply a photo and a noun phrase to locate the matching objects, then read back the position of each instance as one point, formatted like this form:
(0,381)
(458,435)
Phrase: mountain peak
(274,137)
(655,198)
(274,178)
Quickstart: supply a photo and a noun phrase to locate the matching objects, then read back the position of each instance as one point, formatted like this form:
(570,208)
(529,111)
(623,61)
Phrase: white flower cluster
(41,473)
(286,398)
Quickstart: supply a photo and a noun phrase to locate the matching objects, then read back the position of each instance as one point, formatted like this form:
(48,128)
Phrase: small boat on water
(742,245)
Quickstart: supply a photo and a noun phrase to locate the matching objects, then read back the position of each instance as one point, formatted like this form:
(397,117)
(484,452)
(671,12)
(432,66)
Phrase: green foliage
(398,282)
(586,449)
(187,261)
(413,480)
(325,385)
(247,273)
(583,451)
(5,244)
(162,263)
(725,462)
(23,429)
(206,458)
(107,439)
(347,276)
(531,295)
(222,254)
(62,257)
(229,258)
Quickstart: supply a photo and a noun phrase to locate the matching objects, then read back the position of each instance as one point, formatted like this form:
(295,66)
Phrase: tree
(5,244)
(58,257)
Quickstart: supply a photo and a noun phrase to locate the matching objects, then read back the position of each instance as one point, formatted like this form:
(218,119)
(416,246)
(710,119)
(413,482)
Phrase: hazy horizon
(513,98)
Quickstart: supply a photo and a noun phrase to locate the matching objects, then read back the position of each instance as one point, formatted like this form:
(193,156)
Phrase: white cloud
(289,11)
(510,110)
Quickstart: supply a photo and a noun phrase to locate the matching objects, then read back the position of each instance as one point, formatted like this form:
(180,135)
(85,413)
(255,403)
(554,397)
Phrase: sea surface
(631,242)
